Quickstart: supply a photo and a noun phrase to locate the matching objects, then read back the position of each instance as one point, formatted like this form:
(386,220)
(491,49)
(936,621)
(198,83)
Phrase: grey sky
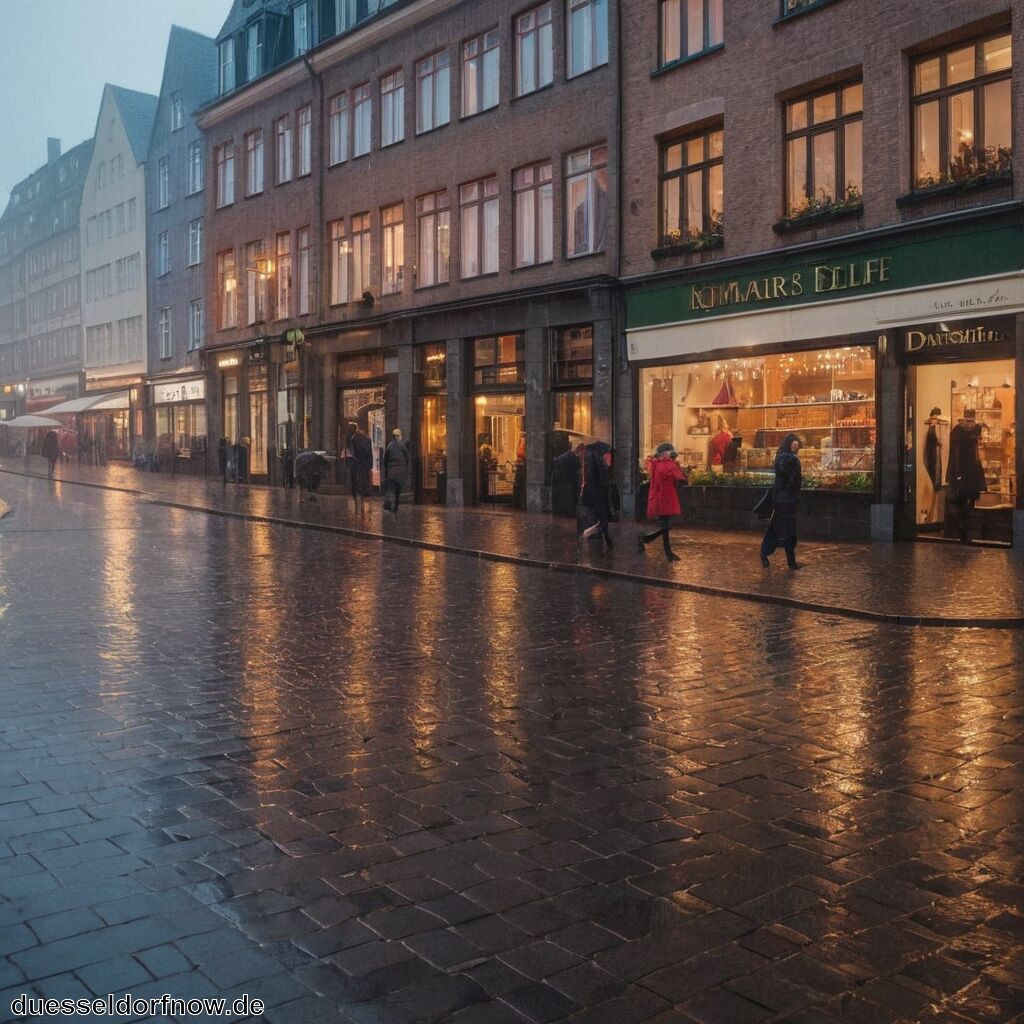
(55,56)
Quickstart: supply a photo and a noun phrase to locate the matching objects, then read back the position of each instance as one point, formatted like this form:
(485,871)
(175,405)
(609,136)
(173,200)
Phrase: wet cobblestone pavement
(929,583)
(368,782)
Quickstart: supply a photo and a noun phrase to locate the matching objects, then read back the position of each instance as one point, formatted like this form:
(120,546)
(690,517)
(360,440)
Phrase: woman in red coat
(662,500)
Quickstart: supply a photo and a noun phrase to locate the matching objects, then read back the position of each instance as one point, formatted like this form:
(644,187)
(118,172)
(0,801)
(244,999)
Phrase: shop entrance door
(501,449)
(433,469)
(960,428)
(367,407)
(258,433)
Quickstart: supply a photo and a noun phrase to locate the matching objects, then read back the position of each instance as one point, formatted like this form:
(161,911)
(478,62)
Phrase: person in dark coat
(965,474)
(781,530)
(397,464)
(51,451)
(596,479)
(663,497)
(565,481)
(359,451)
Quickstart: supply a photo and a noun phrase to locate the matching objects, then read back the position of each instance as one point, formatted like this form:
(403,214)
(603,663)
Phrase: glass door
(258,433)
(501,449)
(432,447)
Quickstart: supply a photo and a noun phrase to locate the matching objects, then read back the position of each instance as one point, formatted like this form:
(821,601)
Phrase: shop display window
(728,417)
(499,361)
(432,361)
(574,356)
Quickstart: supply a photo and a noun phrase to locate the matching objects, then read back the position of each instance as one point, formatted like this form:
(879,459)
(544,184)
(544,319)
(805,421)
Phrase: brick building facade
(822,234)
(418,233)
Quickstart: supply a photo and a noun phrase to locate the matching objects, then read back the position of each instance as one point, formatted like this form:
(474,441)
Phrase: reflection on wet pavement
(368,782)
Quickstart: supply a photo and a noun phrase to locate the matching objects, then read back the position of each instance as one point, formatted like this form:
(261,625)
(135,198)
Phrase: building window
(163,254)
(195,167)
(535,65)
(588,35)
(305,117)
(392,219)
(224,157)
(227,290)
(346,14)
(392,108)
(256,280)
(131,208)
(301,29)
(433,231)
(349,260)
(478,203)
(165,332)
(691,188)
(227,65)
(362,114)
(284,275)
(586,201)
(254,51)
(284,149)
(337,122)
(177,113)
(962,113)
(254,162)
(481,65)
(573,356)
(195,241)
(534,224)
(303,282)
(195,324)
(499,361)
(823,149)
(433,92)
(163,183)
(689,27)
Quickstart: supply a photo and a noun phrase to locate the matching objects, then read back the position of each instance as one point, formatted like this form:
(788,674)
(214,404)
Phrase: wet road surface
(371,783)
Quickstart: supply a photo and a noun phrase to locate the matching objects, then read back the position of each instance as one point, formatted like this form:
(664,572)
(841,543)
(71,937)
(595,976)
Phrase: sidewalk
(910,584)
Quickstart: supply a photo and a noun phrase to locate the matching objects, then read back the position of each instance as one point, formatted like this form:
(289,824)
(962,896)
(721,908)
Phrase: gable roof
(138,111)
(193,57)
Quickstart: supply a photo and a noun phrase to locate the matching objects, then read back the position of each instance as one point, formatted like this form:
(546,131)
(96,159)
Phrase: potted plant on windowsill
(969,171)
(677,241)
(817,209)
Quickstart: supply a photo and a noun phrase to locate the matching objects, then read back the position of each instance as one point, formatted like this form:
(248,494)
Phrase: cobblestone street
(368,782)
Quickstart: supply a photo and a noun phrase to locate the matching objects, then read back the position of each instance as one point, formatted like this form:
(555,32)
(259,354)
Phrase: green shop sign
(828,278)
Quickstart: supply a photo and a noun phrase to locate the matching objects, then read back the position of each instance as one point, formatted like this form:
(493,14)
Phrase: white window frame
(433,239)
(225,160)
(227,65)
(195,242)
(254,162)
(362,120)
(433,92)
(163,254)
(164,331)
(195,325)
(481,73)
(304,118)
(533,194)
(585,168)
(301,35)
(283,142)
(253,51)
(592,50)
(163,183)
(195,167)
(177,113)
(480,238)
(535,49)
(338,129)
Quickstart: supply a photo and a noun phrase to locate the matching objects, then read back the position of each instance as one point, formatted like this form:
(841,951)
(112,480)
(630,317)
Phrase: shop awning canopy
(91,403)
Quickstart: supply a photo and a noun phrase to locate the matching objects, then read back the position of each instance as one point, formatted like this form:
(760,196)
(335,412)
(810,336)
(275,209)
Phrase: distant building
(113,228)
(175,180)
(40,295)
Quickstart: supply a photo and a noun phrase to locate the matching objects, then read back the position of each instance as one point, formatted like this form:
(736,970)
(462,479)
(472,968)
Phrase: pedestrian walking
(51,451)
(965,473)
(785,492)
(596,479)
(662,497)
(397,463)
(359,452)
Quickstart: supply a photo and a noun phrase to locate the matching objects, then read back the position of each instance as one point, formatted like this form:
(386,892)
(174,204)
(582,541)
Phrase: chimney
(52,150)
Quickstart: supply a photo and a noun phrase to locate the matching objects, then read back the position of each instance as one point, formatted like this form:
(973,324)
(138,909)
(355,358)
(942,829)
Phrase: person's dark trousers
(392,487)
(53,463)
(771,543)
(664,525)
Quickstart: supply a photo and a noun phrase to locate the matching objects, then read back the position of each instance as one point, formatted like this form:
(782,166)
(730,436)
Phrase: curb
(860,614)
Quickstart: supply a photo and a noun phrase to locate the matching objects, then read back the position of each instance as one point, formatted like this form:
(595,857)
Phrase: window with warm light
(689,28)
(499,361)
(283,272)
(962,113)
(392,221)
(692,191)
(227,290)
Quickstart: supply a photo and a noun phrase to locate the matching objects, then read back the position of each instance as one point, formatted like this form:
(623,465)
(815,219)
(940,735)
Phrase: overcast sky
(56,55)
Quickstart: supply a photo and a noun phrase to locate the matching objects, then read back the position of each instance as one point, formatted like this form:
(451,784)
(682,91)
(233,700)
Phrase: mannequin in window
(936,430)
(720,445)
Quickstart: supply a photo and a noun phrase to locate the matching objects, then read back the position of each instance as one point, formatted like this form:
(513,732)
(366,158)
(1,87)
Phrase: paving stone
(118,975)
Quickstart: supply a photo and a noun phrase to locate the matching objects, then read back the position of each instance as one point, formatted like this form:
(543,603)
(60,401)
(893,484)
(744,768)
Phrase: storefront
(363,398)
(179,411)
(870,354)
(229,367)
(431,443)
(499,404)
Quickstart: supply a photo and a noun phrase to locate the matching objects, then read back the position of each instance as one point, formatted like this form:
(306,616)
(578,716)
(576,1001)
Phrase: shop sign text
(186,391)
(918,341)
(824,279)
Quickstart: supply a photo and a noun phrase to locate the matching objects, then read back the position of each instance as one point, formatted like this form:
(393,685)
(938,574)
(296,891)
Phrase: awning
(91,403)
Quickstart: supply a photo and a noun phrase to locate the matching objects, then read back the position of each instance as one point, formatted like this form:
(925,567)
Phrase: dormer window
(254,51)
(301,28)
(227,65)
